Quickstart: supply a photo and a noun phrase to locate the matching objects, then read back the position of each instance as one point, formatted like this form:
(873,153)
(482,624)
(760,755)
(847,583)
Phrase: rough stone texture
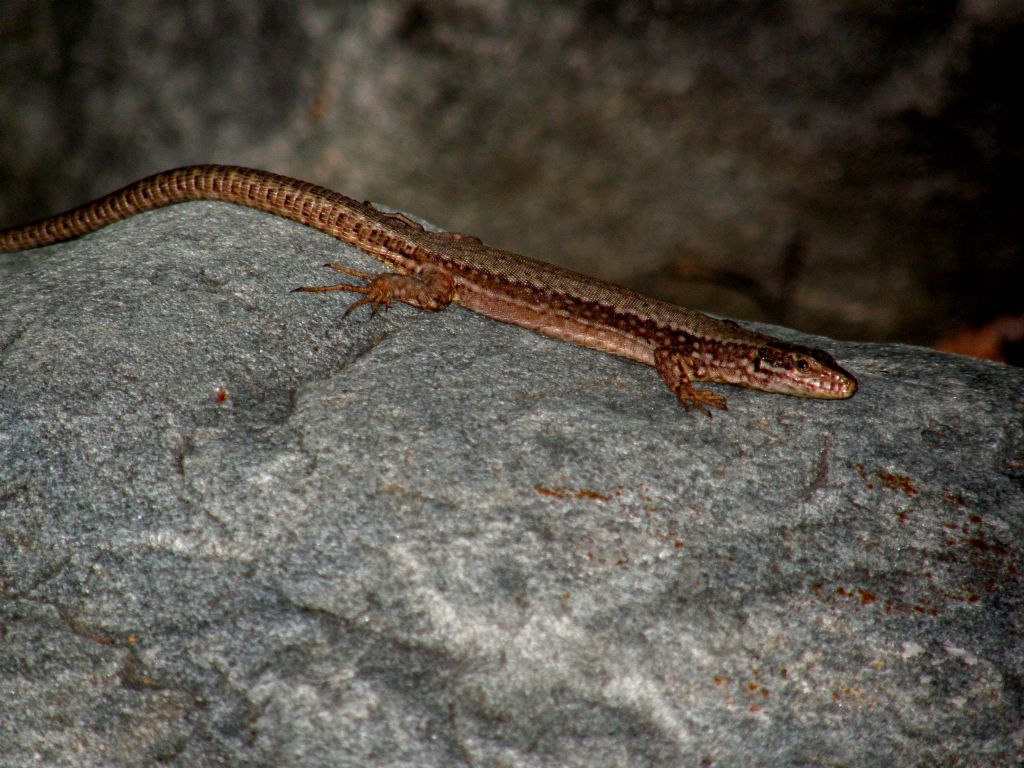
(434,540)
(877,141)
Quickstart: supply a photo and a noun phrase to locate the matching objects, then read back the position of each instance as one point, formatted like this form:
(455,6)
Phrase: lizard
(430,270)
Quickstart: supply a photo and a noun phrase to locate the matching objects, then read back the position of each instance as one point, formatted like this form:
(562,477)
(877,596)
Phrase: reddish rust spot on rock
(571,493)
(898,483)
(866,597)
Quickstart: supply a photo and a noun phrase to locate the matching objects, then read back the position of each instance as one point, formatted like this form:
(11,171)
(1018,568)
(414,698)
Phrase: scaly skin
(429,270)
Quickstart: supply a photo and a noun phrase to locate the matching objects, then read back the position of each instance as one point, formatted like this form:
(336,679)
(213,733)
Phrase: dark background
(850,168)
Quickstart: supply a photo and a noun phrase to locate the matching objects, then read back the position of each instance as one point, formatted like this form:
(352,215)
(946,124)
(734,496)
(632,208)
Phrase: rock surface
(238,530)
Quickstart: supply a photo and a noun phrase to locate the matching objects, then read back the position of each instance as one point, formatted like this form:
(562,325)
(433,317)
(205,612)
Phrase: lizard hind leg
(430,289)
(339,286)
(379,292)
(673,370)
(402,219)
(457,236)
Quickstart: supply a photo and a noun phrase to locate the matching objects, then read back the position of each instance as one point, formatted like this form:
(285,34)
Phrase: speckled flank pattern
(432,269)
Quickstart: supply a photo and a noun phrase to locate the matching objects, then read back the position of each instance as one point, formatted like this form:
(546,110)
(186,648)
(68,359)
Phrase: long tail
(296,200)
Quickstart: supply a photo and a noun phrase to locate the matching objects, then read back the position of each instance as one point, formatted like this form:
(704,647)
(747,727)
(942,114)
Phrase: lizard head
(794,370)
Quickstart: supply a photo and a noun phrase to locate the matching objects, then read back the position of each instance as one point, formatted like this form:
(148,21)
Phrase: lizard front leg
(675,370)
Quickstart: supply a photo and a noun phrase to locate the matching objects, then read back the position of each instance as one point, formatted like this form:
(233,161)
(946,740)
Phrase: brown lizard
(433,269)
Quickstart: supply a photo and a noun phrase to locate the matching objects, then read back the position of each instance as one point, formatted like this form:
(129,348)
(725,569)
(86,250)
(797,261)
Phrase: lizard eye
(802,365)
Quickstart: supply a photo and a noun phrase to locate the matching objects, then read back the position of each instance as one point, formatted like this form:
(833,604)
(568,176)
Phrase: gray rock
(236,529)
